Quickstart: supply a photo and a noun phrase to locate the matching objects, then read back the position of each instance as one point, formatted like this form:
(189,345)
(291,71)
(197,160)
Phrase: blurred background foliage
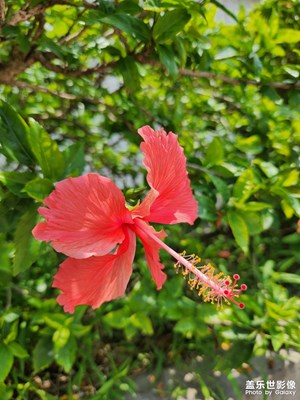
(77,79)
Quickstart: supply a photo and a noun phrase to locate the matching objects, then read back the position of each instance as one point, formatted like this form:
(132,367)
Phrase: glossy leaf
(130,73)
(7,358)
(239,229)
(74,159)
(214,154)
(14,135)
(26,247)
(168,25)
(221,186)
(15,181)
(39,188)
(61,336)
(66,354)
(46,151)
(43,354)
(245,185)
(129,24)
(18,350)
(251,144)
(167,58)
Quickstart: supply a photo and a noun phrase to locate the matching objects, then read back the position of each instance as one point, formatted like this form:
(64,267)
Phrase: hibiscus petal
(170,199)
(84,216)
(152,251)
(94,280)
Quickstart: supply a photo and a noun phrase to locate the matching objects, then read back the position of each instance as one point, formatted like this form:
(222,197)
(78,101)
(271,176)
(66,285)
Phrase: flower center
(213,287)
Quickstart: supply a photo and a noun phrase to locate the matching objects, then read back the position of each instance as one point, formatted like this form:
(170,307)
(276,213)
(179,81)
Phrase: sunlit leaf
(129,24)
(46,151)
(38,188)
(26,246)
(7,358)
(169,24)
(239,229)
(214,154)
(14,135)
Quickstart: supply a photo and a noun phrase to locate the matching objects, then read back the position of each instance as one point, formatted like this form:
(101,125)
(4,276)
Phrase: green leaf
(277,311)
(207,209)
(214,154)
(18,350)
(187,324)
(7,359)
(286,277)
(130,73)
(24,43)
(251,144)
(254,222)
(13,332)
(292,179)
(61,336)
(26,246)
(50,44)
(221,186)
(239,229)
(5,264)
(57,320)
(225,53)
(129,24)
(6,392)
(278,339)
(245,185)
(168,25)
(116,319)
(288,36)
(142,321)
(39,188)
(43,354)
(292,71)
(268,168)
(42,394)
(167,58)
(15,181)
(180,50)
(254,206)
(74,159)
(14,135)
(80,330)
(46,151)
(257,64)
(129,7)
(66,355)
(290,200)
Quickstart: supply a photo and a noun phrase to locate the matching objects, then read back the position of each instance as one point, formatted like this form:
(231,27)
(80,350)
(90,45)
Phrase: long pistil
(213,287)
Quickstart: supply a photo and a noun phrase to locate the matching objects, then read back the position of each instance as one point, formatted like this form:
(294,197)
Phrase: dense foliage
(77,81)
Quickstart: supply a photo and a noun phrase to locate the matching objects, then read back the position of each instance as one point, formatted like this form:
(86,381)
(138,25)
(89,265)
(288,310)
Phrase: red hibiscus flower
(87,219)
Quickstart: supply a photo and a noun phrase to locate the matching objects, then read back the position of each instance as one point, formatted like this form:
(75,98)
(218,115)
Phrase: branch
(143,58)
(235,81)
(45,60)
(34,88)
(25,13)
(17,64)
(73,36)
(2,14)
